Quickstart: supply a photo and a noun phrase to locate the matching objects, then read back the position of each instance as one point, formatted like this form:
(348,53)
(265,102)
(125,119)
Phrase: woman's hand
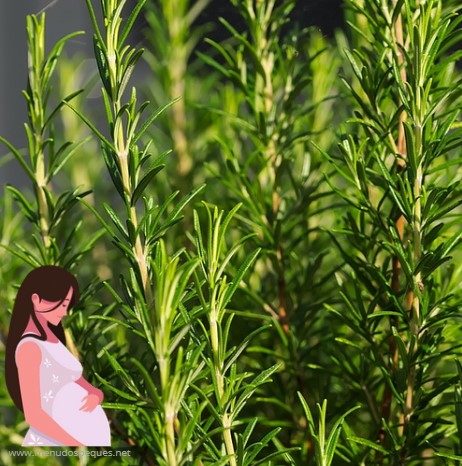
(91,401)
(91,391)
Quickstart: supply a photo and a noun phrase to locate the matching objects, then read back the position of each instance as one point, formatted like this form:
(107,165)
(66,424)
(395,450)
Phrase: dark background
(326,14)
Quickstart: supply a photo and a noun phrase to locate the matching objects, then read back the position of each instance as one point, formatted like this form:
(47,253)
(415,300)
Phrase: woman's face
(51,311)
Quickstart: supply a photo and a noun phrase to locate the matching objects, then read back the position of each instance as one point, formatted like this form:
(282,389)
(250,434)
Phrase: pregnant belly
(90,429)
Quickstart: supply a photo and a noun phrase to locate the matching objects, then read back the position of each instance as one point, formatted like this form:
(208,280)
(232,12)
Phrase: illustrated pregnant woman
(43,377)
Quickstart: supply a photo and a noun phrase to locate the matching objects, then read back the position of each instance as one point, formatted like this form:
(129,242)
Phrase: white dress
(62,399)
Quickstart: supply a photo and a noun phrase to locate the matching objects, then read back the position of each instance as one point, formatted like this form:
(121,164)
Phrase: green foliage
(284,97)
(321,267)
(324,447)
(47,156)
(399,236)
(231,390)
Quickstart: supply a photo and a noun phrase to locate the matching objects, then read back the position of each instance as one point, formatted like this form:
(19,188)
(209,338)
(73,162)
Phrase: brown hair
(52,283)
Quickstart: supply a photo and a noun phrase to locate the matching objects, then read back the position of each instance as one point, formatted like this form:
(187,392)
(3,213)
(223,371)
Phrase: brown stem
(282,293)
(396,265)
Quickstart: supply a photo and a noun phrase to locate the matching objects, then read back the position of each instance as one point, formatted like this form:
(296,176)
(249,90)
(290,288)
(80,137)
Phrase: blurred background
(66,16)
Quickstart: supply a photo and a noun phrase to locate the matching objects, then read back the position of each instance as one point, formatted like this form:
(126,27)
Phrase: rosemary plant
(49,214)
(231,389)
(325,445)
(328,272)
(282,96)
(400,232)
(51,228)
(153,287)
